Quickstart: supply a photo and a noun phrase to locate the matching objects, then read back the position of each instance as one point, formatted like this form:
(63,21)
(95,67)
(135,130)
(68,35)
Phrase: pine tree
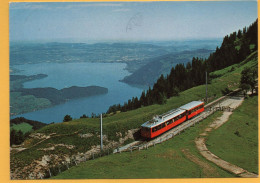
(248,78)
(67,118)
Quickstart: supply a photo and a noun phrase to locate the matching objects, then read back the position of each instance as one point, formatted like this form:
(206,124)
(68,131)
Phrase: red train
(162,123)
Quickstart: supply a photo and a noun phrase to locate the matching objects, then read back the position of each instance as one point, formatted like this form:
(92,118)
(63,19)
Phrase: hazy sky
(128,20)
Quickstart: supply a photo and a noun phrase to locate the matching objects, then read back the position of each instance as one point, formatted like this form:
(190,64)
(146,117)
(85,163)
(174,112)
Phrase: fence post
(49,172)
(93,156)
(85,158)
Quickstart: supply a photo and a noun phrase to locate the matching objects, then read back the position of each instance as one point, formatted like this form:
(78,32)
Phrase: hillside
(150,72)
(234,49)
(178,157)
(16,81)
(69,140)
(34,124)
(20,128)
(58,96)
(240,129)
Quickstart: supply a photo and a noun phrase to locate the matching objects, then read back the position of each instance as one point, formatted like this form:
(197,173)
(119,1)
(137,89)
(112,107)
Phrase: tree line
(17,137)
(234,49)
(35,124)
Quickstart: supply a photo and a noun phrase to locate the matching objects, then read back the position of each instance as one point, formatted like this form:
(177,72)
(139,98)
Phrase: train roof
(162,118)
(191,105)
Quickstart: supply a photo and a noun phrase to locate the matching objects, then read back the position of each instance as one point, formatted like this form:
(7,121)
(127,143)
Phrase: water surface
(61,75)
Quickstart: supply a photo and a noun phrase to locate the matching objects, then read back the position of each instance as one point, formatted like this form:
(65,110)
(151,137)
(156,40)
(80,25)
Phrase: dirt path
(208,170)
(233,102)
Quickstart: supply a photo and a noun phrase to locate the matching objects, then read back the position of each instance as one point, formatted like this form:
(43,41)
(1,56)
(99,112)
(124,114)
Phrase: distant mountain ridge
(149,73)
(132,53)
(59,96)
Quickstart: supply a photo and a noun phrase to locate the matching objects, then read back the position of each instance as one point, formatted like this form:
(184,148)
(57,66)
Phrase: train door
(187,114)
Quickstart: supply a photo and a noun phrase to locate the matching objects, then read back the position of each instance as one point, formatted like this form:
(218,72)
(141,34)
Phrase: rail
(210,108)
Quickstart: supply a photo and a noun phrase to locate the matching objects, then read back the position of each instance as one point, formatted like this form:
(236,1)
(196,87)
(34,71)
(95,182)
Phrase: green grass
(165,160)
(237,140)
(250,61)
(24,127)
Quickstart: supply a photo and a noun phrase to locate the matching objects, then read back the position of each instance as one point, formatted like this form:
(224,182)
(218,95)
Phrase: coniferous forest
(234,49)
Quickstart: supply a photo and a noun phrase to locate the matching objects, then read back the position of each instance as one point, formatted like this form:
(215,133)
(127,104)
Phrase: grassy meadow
(165,160)
(24,127)
(237,140)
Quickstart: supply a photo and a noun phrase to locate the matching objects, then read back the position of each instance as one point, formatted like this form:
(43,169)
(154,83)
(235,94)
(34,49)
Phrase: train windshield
(144,129)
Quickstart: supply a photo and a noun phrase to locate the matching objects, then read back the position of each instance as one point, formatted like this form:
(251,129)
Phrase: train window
(163,125)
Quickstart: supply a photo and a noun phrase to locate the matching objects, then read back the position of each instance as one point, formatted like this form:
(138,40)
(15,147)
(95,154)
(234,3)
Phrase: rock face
(128,135)
(52,164)
(87,135)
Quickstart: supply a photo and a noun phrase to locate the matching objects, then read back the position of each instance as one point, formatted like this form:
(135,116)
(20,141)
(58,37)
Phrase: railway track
(210,108)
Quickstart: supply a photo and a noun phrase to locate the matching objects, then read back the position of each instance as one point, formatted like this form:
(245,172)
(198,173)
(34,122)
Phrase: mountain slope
(149,73)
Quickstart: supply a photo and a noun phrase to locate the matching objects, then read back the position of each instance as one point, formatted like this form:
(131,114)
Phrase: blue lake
(62,75)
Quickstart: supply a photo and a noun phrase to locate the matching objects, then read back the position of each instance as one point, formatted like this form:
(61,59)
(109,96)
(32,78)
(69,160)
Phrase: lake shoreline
(66,75)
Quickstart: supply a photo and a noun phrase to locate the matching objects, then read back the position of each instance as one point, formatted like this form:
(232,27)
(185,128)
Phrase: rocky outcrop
(52,164)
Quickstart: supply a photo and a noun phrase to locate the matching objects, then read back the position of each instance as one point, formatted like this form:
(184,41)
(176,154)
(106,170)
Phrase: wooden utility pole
(206,88)
(101,135)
